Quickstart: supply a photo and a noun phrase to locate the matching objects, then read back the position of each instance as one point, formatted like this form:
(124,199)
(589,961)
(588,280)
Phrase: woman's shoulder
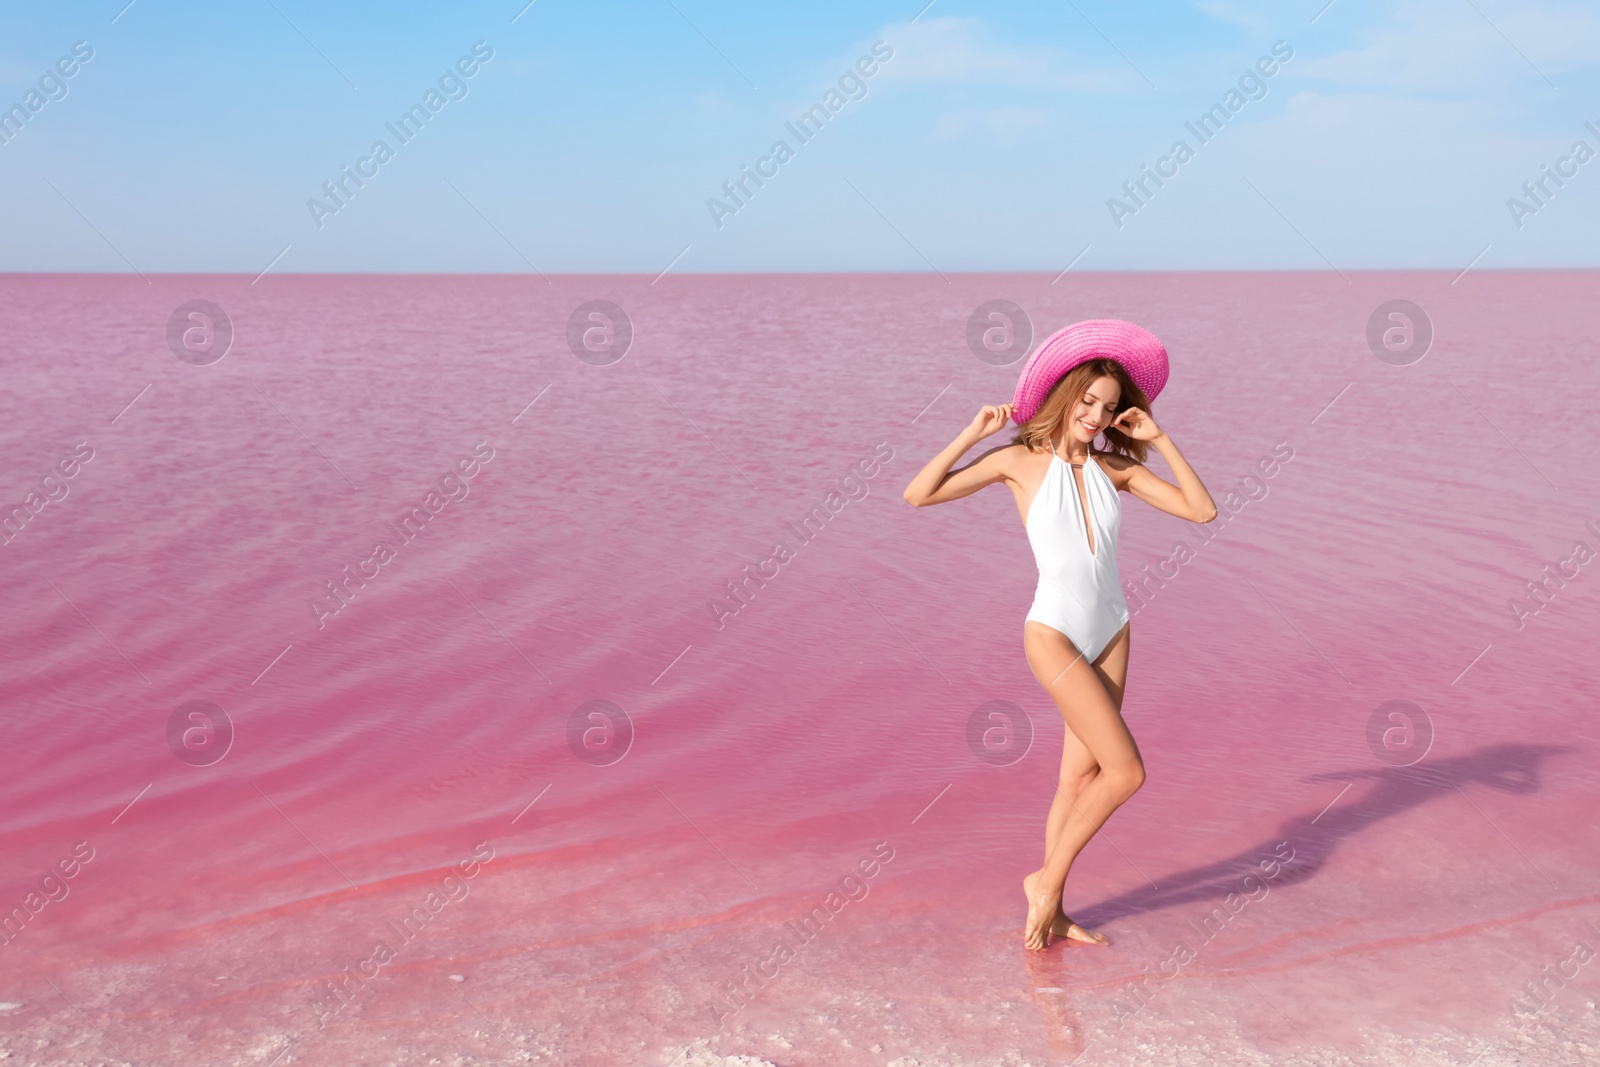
(1008,460)
(1019,452)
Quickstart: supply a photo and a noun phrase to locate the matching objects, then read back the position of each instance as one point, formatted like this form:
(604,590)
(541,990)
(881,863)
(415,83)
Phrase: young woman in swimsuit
(1083,382)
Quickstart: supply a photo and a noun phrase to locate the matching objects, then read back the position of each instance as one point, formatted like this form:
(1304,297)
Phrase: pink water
(377,748)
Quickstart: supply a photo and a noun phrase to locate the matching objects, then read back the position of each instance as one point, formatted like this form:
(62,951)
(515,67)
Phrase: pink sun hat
(1136,348)
(1141,354)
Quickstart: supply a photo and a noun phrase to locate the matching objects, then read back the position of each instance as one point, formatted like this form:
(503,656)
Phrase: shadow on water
(1509,768)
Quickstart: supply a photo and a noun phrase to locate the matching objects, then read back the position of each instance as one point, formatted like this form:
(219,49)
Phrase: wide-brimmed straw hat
(1136,348)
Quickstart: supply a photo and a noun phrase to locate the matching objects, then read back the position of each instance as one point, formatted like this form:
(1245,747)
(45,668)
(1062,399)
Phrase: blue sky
(992,139)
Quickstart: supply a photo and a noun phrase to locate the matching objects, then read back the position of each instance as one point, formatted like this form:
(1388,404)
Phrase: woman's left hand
(1137,424)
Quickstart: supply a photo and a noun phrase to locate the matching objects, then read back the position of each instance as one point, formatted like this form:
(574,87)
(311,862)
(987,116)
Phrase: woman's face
(1095,410)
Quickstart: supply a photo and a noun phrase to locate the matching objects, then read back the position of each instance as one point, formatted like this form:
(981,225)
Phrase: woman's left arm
(1188,499)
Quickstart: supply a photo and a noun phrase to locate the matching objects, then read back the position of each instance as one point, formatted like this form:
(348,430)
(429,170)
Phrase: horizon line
(777,273)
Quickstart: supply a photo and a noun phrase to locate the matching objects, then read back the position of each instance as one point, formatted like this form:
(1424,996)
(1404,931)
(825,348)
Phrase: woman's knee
(1126,778)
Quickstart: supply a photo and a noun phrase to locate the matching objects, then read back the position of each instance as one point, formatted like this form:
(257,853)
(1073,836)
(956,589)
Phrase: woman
(1090,379)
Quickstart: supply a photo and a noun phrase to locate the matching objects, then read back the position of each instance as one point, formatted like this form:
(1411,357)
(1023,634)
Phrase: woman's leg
(1078,766)
(1092,716)
(1078,769)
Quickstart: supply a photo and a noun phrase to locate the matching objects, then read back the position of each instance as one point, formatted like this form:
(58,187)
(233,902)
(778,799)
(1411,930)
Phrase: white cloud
(964,51)
(1257,18)
(1434,46)
(714,101)
(1005,125)
(1015,122)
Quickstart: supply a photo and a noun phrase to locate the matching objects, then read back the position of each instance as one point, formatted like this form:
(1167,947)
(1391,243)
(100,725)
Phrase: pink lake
(426,842)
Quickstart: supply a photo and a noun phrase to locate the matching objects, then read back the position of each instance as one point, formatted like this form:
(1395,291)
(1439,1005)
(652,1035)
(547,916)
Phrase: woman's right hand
(991,420)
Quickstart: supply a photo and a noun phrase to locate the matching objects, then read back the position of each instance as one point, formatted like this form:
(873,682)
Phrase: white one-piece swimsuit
(1080,592)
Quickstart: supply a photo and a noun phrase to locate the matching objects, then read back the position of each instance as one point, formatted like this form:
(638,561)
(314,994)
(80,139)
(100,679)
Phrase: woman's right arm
(936,482)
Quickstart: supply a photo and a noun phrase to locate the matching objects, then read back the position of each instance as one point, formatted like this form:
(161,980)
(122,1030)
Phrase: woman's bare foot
(1042,912)
(1065,927)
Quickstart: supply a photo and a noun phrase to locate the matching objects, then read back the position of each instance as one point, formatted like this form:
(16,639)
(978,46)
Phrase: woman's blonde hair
(1066,395)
